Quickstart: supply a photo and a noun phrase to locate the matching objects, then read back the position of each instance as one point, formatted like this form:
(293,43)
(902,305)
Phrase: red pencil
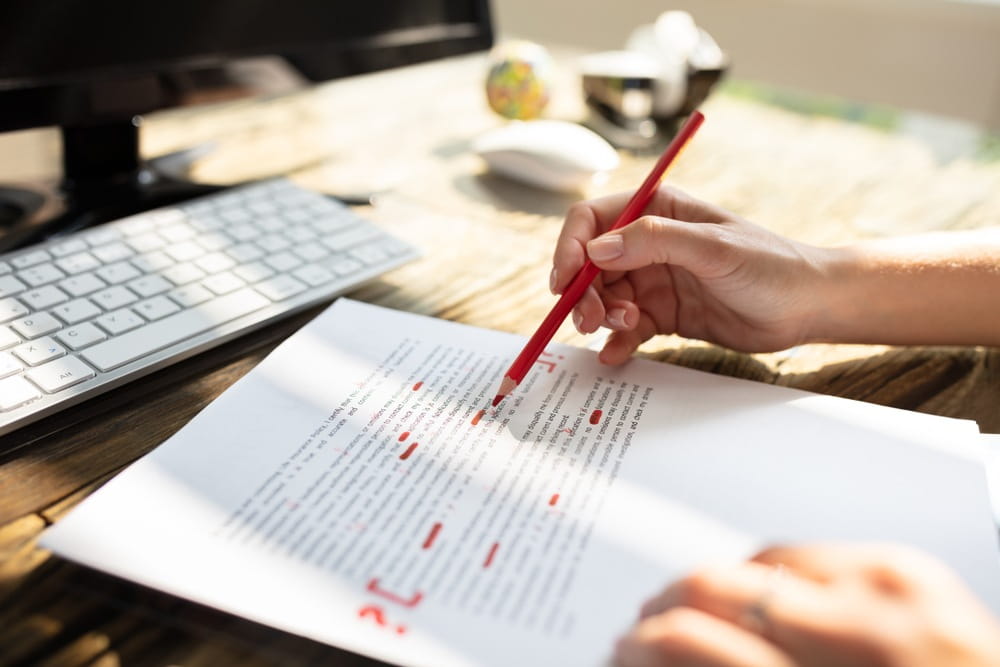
(536,344)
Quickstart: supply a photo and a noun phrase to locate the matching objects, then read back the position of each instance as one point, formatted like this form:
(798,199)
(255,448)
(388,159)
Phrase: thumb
(702,248)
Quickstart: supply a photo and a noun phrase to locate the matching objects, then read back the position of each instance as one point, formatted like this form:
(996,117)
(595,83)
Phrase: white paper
(343,492)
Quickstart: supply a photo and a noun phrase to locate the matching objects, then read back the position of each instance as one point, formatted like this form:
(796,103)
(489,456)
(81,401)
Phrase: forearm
(933,289)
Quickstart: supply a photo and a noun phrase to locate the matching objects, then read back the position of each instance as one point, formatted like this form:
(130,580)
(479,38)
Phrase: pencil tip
(506,386)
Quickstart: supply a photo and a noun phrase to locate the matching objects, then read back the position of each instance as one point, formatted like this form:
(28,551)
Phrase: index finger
(584,221)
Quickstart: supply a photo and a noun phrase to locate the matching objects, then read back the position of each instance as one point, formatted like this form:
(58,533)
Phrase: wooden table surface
(487,245)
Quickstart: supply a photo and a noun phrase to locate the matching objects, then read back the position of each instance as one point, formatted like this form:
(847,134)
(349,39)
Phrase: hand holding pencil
(576,288)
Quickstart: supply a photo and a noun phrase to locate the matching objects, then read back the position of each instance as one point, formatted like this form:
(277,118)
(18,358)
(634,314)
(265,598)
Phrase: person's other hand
(690,268)
(816,606)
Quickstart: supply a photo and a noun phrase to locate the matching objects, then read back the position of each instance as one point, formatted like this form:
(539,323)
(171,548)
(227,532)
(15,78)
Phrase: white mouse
(551,154)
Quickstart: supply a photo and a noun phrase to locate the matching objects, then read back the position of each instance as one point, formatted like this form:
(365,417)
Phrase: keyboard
(90,311)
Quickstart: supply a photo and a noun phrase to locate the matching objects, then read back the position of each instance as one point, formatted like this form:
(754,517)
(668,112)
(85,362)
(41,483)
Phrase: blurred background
(926,68)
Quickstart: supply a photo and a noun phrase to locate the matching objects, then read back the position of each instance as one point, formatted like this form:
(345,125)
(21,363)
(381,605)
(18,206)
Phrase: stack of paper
(353,489)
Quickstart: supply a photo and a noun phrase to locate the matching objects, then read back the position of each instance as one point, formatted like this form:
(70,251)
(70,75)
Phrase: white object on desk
(550,154)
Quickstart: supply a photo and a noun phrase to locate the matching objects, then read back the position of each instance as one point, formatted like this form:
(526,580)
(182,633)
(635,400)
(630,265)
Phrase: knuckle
(674,634)
(722,248)
(699,587)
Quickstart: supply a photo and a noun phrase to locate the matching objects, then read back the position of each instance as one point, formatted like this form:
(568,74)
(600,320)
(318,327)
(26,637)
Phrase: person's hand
(816,606)
(690,268)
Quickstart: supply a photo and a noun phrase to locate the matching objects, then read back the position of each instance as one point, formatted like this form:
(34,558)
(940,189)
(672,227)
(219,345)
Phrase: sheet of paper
(353,489)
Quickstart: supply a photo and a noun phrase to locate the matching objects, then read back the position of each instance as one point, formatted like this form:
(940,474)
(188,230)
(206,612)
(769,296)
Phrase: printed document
(356,488)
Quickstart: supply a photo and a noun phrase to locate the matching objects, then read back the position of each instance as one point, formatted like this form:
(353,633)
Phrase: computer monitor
(94,67)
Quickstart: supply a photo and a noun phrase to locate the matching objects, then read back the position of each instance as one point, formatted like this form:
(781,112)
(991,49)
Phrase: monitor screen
(85,61)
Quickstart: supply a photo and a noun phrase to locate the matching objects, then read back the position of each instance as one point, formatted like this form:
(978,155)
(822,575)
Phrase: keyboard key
(273,243)
(60,374)
(190,295)
(41,274)
(39,351)
(152,262)
(34,326)
(30,259)
(114,297)
(11,309)
(244,233)
(313,275)
(177,233)
(215,262)
(150,285)
(245,252)
(76,310)
(222,283)
(146,242)
(44,297)
(168,216)
(300,234)
(70,247)
(112,252)
(119,321)
(9,365)
(283,262)
(344,266)
(173,329)
(85,283)
(184,251)
(118,272)
(280,287)
(8,338)
(9,286)
(311,252)
(101,236)
(370,254)
(156,308)
(80,336)
(254,271)
(181,274)
(15,392)
(213,241)
(78,262)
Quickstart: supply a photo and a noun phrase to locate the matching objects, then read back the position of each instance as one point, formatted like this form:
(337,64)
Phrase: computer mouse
(551,154)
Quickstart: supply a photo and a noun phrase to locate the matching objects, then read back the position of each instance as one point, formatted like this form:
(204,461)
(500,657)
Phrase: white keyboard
(93,310)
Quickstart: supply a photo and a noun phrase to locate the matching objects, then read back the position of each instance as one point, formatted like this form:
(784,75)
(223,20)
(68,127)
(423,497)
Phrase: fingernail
(606,247)
(553,280)
(578,321)
(616,318)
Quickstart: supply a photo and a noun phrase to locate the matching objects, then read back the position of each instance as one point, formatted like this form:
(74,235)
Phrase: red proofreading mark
(479,415)
(595,416)
(418,385)
(413,601)
(554,499)
(409,450)
(376,612)
(551,365)
(429,542)
(404,435)
(491,555)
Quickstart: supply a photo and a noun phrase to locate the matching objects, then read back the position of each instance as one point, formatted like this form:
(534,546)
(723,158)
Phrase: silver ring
(755,617)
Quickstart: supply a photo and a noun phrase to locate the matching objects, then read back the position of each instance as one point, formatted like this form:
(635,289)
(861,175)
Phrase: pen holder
(637,97)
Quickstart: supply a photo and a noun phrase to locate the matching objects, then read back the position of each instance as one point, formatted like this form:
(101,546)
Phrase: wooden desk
(487,244)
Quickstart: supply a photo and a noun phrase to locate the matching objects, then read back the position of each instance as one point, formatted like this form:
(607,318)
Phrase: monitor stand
(104,178)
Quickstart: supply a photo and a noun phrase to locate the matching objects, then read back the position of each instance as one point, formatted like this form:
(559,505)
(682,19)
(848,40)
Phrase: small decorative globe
(519,83)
